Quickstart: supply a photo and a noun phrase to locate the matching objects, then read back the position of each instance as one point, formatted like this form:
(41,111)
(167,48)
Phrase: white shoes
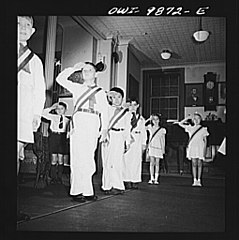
(153,182)
(194,183)
(197,183)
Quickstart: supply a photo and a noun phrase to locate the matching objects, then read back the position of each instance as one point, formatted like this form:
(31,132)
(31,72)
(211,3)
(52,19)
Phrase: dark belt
(88,110)
(117,129)
(58,133)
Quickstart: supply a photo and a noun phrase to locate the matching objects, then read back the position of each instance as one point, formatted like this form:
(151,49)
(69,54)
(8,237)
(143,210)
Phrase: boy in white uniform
(133,157)
(30,89)
(89,122)
(118,142)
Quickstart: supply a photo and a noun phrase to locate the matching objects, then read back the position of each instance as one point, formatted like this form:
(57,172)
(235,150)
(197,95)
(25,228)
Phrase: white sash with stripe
(23,57)
(84,97)
(115,118)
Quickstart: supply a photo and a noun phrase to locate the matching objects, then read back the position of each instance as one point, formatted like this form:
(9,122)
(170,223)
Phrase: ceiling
(150,35)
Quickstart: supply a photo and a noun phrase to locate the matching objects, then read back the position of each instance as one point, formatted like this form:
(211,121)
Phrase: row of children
(121,132)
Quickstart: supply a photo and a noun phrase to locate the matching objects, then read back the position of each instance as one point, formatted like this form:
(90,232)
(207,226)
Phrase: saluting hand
(104,136)
(79,66)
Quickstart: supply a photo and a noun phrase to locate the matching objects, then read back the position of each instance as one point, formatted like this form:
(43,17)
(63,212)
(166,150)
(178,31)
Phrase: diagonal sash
(154,134)
(83,98)
(25,56)
(190,139)
(135,123)
(117,117)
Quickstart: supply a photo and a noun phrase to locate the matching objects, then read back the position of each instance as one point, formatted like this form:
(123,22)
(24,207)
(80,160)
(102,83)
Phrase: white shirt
(55,120)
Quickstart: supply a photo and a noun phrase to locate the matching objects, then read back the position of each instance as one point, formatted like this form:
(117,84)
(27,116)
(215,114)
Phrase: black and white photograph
(113,133)
(194,94)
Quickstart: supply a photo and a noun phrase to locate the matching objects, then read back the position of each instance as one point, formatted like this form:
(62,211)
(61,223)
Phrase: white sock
(151,177)
(156,176)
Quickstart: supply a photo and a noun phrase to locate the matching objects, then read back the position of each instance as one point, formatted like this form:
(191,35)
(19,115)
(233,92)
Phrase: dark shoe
(60,169)
(22,217)
(128,185)
(79,198)
(107,192)
(91,198)
(135,186)
(53,169)
(115,191)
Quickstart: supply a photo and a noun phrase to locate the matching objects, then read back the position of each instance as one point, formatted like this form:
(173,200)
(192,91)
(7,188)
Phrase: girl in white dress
(156,146)
(197,145)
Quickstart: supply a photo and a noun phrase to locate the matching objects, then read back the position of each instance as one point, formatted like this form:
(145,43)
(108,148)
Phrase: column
(123,65)
(50,56)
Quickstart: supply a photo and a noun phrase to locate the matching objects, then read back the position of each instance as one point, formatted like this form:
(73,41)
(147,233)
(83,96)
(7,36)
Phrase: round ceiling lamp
(166,54)
(201,35)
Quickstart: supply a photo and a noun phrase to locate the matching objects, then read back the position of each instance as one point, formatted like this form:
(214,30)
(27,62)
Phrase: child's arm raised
(62,77)
(182,122)
(46,112)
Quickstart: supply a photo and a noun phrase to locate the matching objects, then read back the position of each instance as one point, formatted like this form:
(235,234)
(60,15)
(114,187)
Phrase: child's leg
(157,161)
(60,167)
(20,149)
(199,171)
(151,169)
(54,159)
(194,170)
(66,160)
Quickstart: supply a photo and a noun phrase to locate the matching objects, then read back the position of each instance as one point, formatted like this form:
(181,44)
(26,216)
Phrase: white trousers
(83,143)
(112,161)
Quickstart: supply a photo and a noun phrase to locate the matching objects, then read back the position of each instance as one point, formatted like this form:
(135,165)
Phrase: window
(164,97)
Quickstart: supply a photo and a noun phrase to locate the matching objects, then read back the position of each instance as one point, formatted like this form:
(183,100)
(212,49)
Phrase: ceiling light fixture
(166,54)
(201,35)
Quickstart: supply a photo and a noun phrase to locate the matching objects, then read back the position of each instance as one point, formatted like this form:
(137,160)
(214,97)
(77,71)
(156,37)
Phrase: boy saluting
(30,91)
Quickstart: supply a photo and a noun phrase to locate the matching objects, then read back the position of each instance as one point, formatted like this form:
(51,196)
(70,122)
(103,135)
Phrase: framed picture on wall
(221,93)
(194,94)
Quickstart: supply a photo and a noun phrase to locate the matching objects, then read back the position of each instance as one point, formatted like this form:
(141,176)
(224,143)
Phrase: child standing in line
(30,91)
(118,142)
(31,87)
(196,149)
(156,147)
(133,157)
(89,122)
(57,139)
